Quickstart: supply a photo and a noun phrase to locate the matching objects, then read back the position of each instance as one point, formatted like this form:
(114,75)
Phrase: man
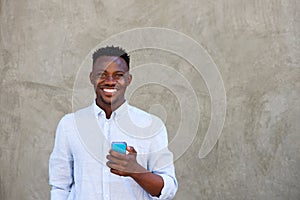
(77,168)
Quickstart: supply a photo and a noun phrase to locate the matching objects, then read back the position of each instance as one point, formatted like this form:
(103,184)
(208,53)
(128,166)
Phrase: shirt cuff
(58,194)
(169,189)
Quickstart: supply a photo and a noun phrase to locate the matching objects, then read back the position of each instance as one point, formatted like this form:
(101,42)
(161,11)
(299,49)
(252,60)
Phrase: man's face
(110,77)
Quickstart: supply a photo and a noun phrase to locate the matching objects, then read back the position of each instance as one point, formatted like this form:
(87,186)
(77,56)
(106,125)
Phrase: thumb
(130,149)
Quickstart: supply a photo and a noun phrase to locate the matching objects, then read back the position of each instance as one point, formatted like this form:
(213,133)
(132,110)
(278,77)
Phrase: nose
(110,80)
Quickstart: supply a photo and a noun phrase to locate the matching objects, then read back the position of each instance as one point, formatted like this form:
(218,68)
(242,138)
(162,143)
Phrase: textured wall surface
(255,44)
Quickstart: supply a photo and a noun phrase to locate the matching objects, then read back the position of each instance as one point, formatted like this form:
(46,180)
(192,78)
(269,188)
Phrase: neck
(108,108)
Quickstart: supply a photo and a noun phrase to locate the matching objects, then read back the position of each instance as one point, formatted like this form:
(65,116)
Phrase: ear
(92,78)
(129,79)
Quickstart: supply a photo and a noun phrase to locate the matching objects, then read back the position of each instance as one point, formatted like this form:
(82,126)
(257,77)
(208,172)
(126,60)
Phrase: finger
(109,164)
(117,154)
(130,149)
(112,165)
(115,171)
(115,160)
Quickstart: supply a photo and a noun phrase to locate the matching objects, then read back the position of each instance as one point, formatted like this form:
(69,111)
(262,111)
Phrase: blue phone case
(119,147)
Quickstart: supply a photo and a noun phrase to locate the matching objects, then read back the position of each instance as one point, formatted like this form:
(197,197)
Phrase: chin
(108,101)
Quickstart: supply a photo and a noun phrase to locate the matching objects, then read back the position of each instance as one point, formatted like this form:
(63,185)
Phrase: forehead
(110,63)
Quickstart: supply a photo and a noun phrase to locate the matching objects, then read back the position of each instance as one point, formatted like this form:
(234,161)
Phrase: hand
(124,164)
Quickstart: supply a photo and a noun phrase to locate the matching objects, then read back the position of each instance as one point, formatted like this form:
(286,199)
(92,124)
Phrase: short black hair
(111,51)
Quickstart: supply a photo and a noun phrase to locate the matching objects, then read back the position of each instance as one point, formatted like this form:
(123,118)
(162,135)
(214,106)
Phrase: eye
(101,75)
(118,75)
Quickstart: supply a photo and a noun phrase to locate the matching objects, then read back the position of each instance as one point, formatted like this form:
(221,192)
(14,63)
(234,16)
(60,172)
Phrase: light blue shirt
(75,174)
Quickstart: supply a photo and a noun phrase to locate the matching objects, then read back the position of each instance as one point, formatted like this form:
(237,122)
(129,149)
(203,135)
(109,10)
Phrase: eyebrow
(101,71)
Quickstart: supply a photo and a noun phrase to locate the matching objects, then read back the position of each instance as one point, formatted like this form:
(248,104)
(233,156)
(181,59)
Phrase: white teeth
(109,90)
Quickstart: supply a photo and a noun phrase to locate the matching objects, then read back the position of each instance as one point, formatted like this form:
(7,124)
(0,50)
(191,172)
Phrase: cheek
(122,83)
(97,83)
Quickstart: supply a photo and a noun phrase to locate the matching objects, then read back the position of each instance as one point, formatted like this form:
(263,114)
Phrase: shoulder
(144,125)
(143,118)
(70,118)
(66,121)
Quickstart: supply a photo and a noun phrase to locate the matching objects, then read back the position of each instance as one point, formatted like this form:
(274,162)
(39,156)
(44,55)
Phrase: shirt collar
(98,111)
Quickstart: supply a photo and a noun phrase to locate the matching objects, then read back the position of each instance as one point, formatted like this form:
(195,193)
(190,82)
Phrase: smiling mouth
(109,90)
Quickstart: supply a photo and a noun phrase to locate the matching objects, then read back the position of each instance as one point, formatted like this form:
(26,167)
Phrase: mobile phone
(119,147)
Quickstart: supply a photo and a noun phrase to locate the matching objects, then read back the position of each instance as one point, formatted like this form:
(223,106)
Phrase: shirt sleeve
(161,163)
(61,165)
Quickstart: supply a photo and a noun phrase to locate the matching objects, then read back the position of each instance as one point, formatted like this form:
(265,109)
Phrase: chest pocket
(142,153)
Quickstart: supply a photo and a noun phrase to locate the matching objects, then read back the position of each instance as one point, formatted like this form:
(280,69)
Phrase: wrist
(139,175)
(138,172)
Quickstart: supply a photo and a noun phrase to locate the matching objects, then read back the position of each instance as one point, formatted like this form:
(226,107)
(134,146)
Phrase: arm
(60,166)
(150,182)
(159,178)
(126,165)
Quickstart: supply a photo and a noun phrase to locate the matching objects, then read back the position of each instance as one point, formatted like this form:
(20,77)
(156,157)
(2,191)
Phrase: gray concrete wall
(253,44)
